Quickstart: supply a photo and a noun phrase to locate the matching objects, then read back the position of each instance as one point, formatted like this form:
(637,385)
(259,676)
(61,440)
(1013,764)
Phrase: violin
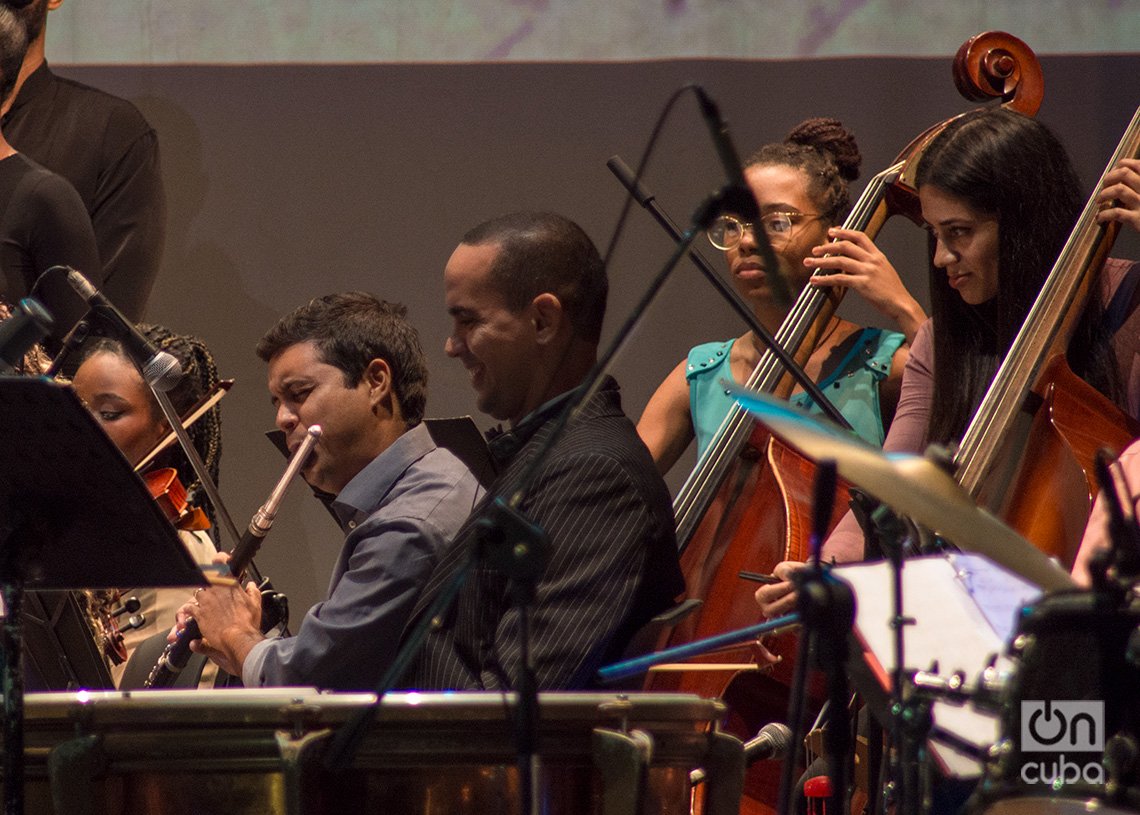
(747,504)
(163,483)
(168,492)
(106,607)
(171,497)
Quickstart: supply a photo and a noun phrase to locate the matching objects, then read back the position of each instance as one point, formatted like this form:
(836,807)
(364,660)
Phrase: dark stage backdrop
(287,182)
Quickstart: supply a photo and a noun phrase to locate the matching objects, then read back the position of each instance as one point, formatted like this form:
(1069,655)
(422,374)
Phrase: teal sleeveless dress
(853,386)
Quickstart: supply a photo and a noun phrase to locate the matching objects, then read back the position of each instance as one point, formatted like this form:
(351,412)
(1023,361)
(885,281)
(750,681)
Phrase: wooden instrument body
(1050,496)
(773,502)
(747,505)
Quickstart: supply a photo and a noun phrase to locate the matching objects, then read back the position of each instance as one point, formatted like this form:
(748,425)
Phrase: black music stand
(59,649)
(73,515)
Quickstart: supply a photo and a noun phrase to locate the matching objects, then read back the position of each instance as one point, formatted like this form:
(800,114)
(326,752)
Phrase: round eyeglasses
(727,231)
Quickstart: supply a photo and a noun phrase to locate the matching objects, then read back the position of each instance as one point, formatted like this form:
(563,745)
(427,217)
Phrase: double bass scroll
(996,65)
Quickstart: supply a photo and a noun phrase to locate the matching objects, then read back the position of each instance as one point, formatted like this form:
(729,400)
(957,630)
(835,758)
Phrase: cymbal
(910,484)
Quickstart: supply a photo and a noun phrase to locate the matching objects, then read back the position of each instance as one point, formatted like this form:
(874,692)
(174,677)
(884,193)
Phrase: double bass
(746,506)
(1028,453)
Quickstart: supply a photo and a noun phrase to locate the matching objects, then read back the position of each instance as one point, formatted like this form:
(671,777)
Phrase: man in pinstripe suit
(527,293)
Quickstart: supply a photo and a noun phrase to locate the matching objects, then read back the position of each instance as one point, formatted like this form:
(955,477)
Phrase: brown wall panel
(286,182)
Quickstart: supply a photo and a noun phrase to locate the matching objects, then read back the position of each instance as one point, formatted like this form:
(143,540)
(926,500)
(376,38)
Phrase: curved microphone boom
(176,654)
(737,197)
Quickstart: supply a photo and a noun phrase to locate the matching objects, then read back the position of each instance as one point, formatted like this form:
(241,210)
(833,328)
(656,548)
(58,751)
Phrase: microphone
(772,741)
(737,196)
(160,369)
(28,324)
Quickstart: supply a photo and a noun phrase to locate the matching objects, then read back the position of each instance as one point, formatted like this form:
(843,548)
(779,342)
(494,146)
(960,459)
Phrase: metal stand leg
(11,652)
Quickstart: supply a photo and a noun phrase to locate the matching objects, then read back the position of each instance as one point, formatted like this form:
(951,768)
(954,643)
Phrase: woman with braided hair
(801,186)
(115,393)
(122,403)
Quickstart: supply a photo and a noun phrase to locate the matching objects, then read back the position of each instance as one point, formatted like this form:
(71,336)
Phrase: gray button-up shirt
(399,513)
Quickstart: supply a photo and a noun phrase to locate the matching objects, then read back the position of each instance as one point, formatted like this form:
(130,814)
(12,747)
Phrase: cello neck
(1046,332)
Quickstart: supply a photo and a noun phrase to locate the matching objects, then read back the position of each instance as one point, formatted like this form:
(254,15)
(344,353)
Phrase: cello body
(772,498)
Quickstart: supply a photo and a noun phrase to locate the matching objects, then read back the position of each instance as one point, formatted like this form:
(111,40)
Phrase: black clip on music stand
(73,515)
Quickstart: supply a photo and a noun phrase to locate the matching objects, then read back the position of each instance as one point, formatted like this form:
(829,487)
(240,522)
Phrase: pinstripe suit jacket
(613,562)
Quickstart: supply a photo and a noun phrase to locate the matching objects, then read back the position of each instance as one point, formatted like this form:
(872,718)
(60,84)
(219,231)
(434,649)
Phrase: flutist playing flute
(353,365)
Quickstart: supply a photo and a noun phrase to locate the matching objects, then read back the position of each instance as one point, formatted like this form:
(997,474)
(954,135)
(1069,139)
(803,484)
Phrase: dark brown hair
(827,154)
(352,329)
(1010,167)
(545,252)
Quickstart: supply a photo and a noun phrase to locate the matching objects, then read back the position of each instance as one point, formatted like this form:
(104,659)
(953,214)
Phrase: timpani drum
(257,751)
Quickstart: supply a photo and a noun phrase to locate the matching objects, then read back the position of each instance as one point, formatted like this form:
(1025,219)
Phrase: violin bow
(196,412)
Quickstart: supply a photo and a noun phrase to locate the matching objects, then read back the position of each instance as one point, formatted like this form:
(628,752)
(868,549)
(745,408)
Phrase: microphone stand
(649,201)
(912,717)
(199,466)
(826,607)
(277,600)
(516,545)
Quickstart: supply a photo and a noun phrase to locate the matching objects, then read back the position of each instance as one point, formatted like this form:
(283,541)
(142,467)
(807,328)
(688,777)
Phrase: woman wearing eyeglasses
(997,224)
(801,186)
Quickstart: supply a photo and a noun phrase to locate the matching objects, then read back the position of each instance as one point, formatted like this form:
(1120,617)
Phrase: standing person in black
(42,221)
(527,294)
(107,150)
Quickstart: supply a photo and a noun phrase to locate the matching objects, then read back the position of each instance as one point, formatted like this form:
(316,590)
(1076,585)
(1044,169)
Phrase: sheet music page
(965,611)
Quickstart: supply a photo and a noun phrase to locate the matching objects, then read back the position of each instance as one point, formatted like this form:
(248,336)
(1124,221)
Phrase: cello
(746,506)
